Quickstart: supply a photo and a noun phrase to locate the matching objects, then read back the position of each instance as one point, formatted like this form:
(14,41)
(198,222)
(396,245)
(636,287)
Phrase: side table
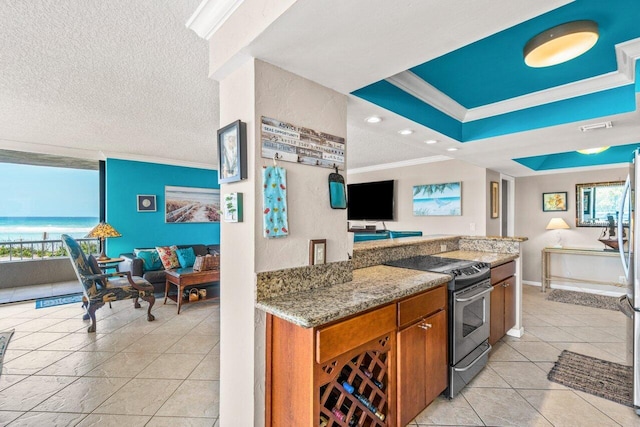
(109,263)
(186,277)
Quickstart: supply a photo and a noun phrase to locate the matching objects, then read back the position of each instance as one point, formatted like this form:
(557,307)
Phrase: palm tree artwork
(437,199)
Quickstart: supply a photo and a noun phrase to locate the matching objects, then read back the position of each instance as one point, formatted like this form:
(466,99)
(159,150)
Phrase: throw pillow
(5,337)
(150,259)
(186,257)
(168,256)
(95,269)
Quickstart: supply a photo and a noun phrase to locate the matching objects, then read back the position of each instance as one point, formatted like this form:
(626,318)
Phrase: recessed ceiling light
(431,141)
(405,132)
(452,149)
(595,126)
(595,150)
(561,43)
(373,119)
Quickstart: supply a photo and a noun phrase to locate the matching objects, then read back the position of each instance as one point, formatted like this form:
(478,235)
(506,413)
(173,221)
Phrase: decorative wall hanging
(553,202)
(190,204)
(274,202)
(232,152)
(290,143)
(146,203)
(337,193)
(232,207)
(437,199)
(495,200)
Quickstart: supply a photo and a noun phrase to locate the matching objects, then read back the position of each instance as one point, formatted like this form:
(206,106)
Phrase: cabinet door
(412,367)
(437,361)
(509,303)
(496,319)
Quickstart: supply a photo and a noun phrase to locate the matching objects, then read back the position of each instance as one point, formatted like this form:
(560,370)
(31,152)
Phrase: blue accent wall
(126,179)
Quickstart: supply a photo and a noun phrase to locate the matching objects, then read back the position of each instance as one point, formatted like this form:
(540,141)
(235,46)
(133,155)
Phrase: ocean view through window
(43,202)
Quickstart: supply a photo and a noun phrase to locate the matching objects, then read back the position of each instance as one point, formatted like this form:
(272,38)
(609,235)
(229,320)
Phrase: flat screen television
(370,201)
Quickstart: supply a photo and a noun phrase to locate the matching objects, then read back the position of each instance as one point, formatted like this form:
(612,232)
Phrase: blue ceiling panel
(573,159)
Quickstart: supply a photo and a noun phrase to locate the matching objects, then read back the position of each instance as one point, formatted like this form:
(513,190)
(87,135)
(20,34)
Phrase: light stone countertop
(492,258)
(370,287)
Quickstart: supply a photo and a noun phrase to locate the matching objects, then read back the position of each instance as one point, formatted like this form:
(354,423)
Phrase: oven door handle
(476,295)
(472,364)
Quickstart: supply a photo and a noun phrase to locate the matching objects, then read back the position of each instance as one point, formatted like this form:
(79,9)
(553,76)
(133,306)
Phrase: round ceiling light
(560,44)
(405,132)
(452,149)
(373,119)
(431,141)
(595,150)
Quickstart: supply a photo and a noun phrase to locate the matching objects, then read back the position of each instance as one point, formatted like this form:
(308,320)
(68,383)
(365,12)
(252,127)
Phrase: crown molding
(402,164)
(158,160)
(211,15)
(415,86)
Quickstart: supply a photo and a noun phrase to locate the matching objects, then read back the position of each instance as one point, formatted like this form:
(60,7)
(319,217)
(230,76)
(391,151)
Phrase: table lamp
(102,231)
(557,224)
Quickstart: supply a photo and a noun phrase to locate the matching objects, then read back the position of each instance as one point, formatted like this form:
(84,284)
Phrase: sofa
(157,278)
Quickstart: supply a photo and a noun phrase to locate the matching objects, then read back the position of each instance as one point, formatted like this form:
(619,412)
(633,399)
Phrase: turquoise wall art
(437,199)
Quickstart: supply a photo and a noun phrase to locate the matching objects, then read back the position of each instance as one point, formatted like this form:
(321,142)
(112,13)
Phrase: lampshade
(557,224)
(561,43)
(595,150)
(103,230)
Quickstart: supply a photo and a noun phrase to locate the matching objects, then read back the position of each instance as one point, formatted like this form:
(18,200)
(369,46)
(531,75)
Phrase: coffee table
(186,277)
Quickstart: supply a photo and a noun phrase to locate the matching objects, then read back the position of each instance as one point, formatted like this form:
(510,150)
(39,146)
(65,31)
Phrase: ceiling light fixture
(405,132)
(373,119)
(431,141)
(595,150)
(596,126)
(452,149)
(561,43)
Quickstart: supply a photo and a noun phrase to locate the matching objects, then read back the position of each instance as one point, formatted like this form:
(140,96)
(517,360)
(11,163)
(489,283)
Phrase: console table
(546,264)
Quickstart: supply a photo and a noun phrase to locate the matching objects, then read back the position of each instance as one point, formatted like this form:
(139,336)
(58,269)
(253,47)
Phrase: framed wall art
(232,152)
(146,203)
(191,204)
(495,200)
(437,199)
(554,202)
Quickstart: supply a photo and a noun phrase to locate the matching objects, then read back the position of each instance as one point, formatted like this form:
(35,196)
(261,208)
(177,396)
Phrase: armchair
(100,288)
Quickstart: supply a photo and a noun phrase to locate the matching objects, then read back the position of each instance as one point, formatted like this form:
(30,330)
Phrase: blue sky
(27,190)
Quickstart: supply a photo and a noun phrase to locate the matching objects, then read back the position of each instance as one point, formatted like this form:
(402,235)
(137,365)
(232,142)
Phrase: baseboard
(578,288)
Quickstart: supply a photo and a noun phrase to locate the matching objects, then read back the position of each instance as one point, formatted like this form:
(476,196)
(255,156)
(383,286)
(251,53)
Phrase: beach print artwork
(437,199)
(190,204)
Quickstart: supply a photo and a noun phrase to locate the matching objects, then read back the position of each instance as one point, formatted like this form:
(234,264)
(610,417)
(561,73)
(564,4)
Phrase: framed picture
(553,202)
(146,203)
(437,199)
(232,207)
(317,251)
(232,152)
(191,204)
(495,200)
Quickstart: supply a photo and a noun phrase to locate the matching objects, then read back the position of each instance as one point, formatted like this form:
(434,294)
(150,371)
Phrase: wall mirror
(596,202)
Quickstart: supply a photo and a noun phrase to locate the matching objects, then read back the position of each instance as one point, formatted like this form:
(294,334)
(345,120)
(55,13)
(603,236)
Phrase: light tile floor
(166,373)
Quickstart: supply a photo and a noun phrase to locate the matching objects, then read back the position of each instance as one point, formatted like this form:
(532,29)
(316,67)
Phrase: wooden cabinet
(422,352)
(503,301)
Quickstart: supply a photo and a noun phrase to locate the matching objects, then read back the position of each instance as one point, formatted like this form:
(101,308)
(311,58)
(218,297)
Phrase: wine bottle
(324,421)
(369,375)
(370,406)
(338,414)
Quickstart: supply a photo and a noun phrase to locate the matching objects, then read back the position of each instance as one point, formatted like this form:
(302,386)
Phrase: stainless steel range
(469,309)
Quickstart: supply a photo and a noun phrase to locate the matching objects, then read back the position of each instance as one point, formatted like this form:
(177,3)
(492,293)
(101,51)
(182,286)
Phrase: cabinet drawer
(420,306)
(501,272)
(339,338)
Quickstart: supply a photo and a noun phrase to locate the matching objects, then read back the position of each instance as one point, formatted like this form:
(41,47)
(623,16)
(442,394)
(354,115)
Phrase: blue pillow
(186,257)
(150,259)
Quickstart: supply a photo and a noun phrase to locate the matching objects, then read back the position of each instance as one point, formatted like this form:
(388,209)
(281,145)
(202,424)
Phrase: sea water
(33,228)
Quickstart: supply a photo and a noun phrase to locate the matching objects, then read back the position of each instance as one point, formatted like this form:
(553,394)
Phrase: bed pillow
(150,259)
(186,257)
(168,256)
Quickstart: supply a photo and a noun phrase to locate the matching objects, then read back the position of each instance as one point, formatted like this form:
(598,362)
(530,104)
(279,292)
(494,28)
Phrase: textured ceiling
(126,78)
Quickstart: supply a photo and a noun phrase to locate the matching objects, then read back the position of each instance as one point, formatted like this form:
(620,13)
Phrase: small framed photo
(554,202)
(146,203)
(495,200)
(318,251)
(232,152)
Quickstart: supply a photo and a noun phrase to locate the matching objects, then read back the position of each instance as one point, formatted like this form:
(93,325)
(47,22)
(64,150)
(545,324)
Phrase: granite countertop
(404,241)
(492,258)
(370,287)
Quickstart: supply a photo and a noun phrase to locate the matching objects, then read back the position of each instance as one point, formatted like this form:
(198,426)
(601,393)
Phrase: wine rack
(366,373)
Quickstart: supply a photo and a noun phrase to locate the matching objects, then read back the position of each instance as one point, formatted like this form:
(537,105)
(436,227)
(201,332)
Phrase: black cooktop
(465,273)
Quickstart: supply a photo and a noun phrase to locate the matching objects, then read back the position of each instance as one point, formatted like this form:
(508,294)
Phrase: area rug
(53,301)
(609,380)
(583,298)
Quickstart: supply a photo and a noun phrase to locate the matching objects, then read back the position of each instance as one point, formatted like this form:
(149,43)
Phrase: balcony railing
(41,249)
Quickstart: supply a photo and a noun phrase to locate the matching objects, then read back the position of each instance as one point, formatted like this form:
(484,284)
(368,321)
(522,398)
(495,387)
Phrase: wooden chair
(100,288)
